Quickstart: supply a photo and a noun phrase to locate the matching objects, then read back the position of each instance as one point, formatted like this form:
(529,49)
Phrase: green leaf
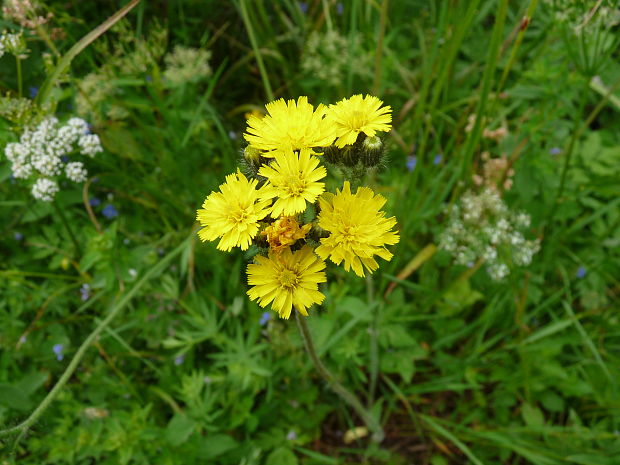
(217,445)
(532,415)
(282,456)
(179,429)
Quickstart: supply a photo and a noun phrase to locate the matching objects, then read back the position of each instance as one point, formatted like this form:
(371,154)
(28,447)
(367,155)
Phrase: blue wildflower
(109,211)
(33,91)
(581,272)
(303,6)
(65,158)
(58,351)
(265,317)
(18,236)
(85,292)
(94,202)
(555,151)
(180,359)
(411,162)
(339,8)
(437,159)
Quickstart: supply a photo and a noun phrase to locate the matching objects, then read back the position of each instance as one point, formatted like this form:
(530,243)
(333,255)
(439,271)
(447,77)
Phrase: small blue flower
(33,91)
(94,202)
(85,292)
(339,8)
(555,151)
(180,359)
(149,78)
(18,236)
(265,317)
(109,211)
(58,351)
(65,158)
(303,6)
(411,162)
(437,159)
(291,436)
(581,272)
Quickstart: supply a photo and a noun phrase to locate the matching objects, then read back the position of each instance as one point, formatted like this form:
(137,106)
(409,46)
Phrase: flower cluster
(13,43)
(329,56)
(283,208)
(481,227)
(42,154)
(186,64)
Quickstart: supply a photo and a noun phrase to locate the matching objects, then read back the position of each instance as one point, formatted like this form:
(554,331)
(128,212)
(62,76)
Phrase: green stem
(374,340)
(23,427)
(65,61)
(377,78)
(569,151)
(373,425)
(65,223)
(20,84)
(328,18)
(257,54)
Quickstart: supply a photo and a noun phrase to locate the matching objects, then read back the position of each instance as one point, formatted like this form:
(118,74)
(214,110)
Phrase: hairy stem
(373,425)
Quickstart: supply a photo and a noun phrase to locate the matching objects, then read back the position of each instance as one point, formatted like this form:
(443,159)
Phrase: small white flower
(76,172)
(44,189)
(90,144)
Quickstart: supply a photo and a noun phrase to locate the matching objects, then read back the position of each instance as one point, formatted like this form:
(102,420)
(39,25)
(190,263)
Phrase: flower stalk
(371,422)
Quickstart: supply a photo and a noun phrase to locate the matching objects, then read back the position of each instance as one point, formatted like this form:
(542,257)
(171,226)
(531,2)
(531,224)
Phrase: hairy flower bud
(372,151)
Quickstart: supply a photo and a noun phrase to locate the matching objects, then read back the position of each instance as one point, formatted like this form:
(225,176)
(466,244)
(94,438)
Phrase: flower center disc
(288,279)
(357,120)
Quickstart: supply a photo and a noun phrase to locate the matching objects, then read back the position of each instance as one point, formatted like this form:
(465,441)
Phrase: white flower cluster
(12,43)
(41,151)
(482,227)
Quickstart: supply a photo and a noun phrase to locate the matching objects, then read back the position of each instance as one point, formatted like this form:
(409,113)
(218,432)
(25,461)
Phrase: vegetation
(490,336)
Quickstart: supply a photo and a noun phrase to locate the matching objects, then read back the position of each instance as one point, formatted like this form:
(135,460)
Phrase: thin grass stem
(257,53)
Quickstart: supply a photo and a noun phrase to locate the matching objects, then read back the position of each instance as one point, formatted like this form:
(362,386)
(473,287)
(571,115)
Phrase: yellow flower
(358,114)
(359,230)
(287,280)
(293,179)
(233,213)
(284,232)
(290,126)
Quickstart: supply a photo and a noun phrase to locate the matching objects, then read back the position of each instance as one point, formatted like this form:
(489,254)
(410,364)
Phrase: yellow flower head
(293,179)
(287,280)
(233,213)
(358,114)
(359,229)
(290,126)
(284,232)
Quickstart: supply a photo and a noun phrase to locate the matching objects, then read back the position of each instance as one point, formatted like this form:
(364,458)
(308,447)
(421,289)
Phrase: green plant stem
(20,83)
(374,339)
(373,425)
(569,151)
(67,58)
(257,53)
(487,79)
(328,18)
(48,41)
(65,223)
(376,84)
(23,427)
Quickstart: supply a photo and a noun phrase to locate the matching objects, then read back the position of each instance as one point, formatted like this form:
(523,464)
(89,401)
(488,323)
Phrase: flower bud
(372,151)
(331,154)
(252,155)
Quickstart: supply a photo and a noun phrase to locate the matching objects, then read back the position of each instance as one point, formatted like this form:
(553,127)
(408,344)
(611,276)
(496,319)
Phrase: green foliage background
(524,371)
